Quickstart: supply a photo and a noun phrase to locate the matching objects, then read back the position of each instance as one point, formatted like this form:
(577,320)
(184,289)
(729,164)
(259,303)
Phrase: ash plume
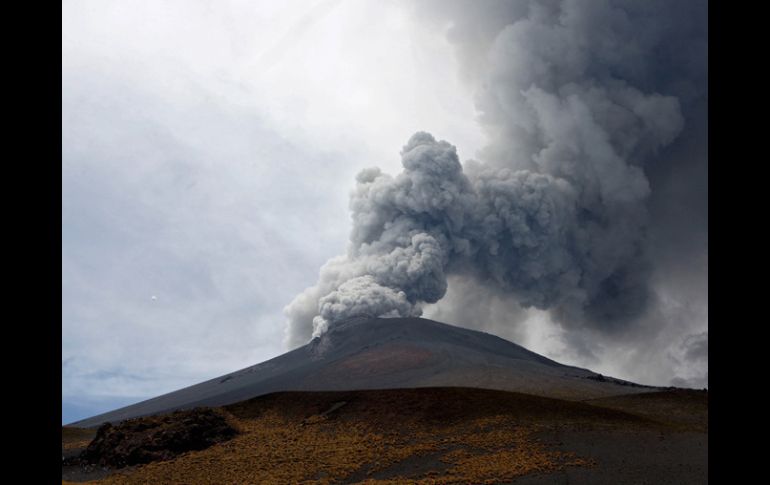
(579,100)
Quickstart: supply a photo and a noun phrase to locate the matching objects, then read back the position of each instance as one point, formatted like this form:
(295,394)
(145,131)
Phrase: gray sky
(209,149)
(208,152)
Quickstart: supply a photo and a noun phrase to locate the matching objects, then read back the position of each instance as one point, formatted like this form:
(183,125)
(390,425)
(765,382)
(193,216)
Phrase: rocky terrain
(431,436)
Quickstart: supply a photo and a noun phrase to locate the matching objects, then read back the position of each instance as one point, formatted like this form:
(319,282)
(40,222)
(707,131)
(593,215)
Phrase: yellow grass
(275,449)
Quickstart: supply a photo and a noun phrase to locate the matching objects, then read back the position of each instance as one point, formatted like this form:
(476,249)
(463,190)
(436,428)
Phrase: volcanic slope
(389,353)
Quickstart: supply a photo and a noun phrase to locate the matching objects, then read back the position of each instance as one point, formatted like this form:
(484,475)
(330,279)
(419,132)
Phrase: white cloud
(203,166)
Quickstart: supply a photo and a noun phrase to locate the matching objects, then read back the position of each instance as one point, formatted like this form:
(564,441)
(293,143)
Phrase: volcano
(389,353)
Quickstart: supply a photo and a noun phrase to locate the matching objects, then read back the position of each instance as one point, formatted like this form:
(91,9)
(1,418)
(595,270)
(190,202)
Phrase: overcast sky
(209,150)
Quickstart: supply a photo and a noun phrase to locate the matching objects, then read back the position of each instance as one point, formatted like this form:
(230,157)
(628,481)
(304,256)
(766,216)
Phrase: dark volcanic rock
(143,440)
(388,353)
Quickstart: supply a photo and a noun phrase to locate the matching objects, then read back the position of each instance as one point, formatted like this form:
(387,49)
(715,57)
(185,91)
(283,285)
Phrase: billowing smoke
(578,99)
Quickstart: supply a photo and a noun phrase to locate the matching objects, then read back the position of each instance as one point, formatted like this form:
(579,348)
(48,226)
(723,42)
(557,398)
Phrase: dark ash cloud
(592,110)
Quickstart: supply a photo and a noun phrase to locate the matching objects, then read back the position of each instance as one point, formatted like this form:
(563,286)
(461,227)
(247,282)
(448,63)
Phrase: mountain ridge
(388,353)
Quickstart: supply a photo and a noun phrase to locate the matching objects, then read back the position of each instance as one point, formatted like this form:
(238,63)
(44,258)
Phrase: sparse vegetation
(415,436)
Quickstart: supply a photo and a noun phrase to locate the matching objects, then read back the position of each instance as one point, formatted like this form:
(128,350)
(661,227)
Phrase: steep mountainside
(389,353)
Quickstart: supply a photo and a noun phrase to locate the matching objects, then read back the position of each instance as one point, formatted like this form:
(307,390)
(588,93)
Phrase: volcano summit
(390,353)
